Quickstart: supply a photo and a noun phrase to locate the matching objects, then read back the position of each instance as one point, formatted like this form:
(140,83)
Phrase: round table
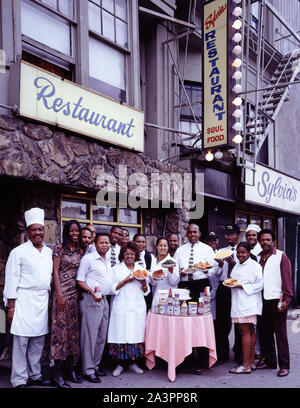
(173,337)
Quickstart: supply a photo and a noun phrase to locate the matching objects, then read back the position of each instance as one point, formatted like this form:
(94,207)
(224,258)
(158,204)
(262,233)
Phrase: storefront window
(86,211)
(243,219)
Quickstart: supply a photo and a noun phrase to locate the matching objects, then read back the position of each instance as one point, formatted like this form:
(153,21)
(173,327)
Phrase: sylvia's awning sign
(273,189)
(48,98)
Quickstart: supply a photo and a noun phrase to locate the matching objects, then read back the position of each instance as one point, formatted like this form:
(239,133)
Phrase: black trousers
(200,355)
(195,287)
(273,323)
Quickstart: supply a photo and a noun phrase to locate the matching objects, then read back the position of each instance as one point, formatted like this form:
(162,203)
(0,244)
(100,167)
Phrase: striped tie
(191,260)
(112,256)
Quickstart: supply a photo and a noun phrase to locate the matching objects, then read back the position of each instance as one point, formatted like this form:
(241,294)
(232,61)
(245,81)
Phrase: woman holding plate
(165,272)
(126,330)
(246,303)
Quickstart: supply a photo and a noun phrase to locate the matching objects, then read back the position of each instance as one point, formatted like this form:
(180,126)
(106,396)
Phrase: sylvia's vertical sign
(48,98)
(215,97)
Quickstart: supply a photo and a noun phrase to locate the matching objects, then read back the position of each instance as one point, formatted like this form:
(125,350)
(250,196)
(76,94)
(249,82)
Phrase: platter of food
(158,275)
(224,253)
(190,270)
(231,283)
(140,274)
(169,263)
(203,266)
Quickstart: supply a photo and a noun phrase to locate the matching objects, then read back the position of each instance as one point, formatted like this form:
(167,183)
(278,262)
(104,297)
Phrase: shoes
(283,372)
(21,386)
(118,371)
(253,366)
(41,382)
(73,377)
(240,370)
(60,383)
(92,378)
(100,373)
(195,371)
(262,365)
(134,368)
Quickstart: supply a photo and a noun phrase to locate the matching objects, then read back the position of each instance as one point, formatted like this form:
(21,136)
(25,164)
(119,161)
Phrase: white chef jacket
(127,321)
(171,280)
(28,275)
(247,301)
(202,253)
(257,249)
(222,271)
(96,271)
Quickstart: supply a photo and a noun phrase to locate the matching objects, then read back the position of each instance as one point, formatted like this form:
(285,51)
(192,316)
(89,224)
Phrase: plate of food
(231,283)
(203,266)
(224,253)
(190,270)
(158,275)
(140,274)
(169,263)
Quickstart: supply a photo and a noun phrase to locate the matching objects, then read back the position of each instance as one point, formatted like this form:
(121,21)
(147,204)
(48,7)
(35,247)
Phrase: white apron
(31,313)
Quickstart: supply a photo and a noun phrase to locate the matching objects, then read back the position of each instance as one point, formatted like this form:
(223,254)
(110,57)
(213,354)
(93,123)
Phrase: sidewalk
(215,377)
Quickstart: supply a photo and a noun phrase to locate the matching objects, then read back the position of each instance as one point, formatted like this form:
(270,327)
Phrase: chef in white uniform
(28,276)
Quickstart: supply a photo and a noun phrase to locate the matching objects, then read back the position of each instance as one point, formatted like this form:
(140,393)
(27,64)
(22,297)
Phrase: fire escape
(268,99)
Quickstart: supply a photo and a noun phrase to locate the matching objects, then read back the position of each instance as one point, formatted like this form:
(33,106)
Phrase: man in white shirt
(92,247)
(28,277)
(173,240)
(86,239)
(147,259)
(252,237)
(188,255)
(115,237)
(223,299)
(94,275)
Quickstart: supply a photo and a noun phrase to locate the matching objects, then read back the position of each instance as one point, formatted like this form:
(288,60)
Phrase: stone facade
(37,162)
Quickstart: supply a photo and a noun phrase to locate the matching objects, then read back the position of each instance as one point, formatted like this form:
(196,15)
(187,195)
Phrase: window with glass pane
(63,6)
(268,223)
(74,208)
(107,70)
(255,219)
(103,213)
(47,28)
(241,220)
(109,18)
(128,216)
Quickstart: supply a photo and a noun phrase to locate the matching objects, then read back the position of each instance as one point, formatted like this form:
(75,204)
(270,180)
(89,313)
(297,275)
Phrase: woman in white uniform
(171,274)
(246,303)
(126,331)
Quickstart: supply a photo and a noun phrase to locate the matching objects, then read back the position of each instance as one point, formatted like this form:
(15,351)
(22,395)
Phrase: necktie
(113,256)
(191,262)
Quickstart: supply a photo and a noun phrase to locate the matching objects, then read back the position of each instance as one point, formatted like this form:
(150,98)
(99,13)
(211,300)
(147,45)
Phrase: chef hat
(253,227)
(34,216)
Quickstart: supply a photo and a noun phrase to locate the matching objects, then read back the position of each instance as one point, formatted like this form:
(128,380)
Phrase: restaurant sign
(273,189)
(215,74)
(48,98)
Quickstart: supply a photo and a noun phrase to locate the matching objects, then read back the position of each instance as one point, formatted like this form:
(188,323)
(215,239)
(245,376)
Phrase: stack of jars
(172,306)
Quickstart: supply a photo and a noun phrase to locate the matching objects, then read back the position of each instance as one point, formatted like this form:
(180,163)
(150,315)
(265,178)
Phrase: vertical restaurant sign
(215,15)
(48,98)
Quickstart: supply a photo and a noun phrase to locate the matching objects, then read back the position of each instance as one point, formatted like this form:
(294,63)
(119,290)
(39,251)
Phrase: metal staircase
(272,101)
(260,124)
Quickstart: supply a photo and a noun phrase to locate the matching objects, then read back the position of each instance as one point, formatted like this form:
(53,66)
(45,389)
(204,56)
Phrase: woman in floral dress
(65,330)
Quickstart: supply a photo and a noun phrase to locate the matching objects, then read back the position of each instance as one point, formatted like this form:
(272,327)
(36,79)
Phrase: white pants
(26,356)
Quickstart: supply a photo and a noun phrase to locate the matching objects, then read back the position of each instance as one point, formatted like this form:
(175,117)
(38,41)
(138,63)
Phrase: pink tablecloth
(173,337)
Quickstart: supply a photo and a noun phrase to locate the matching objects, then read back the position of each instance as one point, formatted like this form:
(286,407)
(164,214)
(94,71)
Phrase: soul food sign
(48,98)
(215,74)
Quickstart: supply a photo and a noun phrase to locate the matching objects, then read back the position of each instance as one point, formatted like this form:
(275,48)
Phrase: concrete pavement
(215,377)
